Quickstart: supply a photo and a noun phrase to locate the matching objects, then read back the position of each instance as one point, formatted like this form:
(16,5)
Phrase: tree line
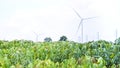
(62,38)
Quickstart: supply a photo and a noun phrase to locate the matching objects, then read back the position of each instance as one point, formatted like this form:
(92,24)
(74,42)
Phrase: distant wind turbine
(97,35)
(81,22)
(37,36)
(116,33)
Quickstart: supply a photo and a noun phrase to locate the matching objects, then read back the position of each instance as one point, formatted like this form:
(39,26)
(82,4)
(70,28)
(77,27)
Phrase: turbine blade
(79,26)
(77,13)
(89,18)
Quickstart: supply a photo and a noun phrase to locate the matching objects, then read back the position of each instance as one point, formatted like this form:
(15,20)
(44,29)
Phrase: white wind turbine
(81,22)
(37,36)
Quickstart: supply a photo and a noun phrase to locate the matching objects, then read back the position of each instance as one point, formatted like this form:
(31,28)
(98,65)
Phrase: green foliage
(61,54)
(47,39)
(63,38)
(117,41)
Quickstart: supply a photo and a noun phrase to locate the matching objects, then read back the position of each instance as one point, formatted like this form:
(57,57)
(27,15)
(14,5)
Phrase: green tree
(63,38)
(47,39)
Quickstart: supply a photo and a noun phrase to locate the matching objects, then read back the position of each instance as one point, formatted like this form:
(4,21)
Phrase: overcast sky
(21,19)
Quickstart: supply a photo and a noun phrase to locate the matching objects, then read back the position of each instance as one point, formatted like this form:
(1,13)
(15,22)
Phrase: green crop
(61,54)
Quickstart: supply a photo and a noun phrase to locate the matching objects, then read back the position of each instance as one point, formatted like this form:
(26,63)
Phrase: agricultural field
(60,54)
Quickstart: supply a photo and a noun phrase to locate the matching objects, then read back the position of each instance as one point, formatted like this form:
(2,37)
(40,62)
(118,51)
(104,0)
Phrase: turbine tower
(116,33)
(98,36)
(81,22)
(37,36)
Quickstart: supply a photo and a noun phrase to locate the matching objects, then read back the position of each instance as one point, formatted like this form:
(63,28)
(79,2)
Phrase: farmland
(60,54)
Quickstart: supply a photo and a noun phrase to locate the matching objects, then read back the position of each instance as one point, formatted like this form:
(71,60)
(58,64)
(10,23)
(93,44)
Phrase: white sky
(19,19)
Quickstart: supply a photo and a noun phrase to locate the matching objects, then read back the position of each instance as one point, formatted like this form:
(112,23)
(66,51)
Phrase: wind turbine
(98,35)
(81,22)
(37,35)
(116,33)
